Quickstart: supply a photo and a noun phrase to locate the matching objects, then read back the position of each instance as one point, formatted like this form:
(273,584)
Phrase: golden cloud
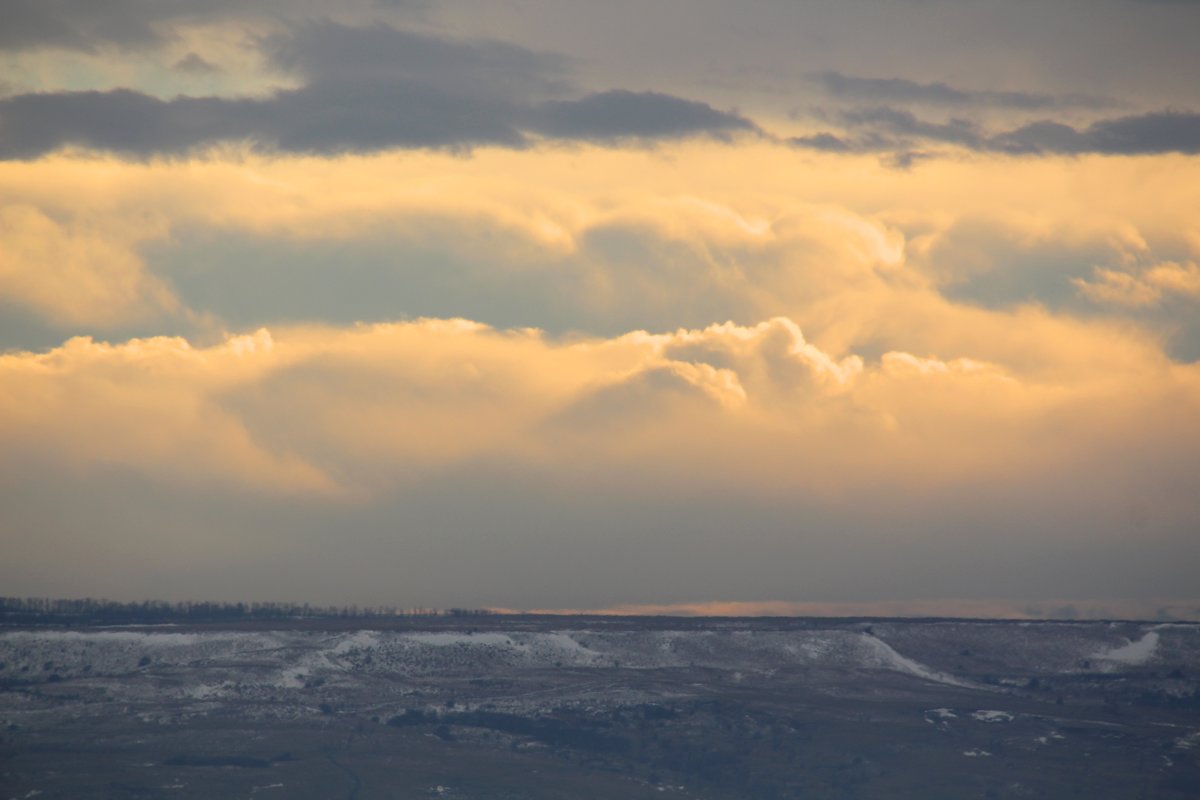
(351,410)
(839,244)
(1147,287)
(828,252)
(76,272)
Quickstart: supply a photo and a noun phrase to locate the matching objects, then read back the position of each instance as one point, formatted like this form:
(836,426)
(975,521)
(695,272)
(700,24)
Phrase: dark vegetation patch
(186,760)
(553,732)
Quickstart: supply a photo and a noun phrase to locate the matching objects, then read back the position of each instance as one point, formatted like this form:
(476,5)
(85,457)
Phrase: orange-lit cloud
(81,272)
(852,251)
(355,409)
(1145,288)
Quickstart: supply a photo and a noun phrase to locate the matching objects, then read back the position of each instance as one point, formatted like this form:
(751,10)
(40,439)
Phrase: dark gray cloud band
(1160,132)
(621,114)
(367,89)
(895,130)
(901,90)
(374,87)
(88,26)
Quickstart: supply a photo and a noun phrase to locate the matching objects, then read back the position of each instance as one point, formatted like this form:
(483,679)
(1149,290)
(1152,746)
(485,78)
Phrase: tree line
(88,610)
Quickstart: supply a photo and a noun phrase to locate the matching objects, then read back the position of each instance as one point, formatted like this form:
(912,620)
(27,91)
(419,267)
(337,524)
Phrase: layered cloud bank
(448,305)
(360,419)
(348,412)
(317,409)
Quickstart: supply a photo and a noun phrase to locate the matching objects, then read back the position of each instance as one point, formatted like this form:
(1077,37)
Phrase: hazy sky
(582,305)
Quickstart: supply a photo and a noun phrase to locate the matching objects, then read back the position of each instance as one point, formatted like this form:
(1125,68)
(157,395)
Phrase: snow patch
(204,691)
(359,640)
(1188,742)
(992,716)
(1134,653)
(886,657)
(567,644)
(293,678)
(445,639)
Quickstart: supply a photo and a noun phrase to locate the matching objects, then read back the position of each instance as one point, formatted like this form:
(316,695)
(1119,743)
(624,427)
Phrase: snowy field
(627,697)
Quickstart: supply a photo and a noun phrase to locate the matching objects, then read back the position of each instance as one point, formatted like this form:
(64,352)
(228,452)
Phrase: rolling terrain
(542,707)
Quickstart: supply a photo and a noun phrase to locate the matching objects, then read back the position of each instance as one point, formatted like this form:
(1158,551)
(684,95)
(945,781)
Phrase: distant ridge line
(92,612)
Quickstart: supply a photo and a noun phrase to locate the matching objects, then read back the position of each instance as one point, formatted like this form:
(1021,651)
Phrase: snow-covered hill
(210,664)
(205,709)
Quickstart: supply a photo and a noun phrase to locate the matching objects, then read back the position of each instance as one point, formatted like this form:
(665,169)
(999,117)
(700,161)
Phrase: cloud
(126,24)
(903,123)
(449,461)
(1159,132)
(325,51)
(771,357)
(891,131)
(621,115)
(149,408)
(195,64)
(882,129)
(80,25)
(122,121)
(1147,287)
(826,141)
(860,256)
(267,240)
(900,90)
(356,410)
(367,89)
(372,87)
(76,273)
(623,414)
(697,374)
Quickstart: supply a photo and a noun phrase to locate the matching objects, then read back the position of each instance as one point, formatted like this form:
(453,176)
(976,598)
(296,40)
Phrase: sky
(695,306)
